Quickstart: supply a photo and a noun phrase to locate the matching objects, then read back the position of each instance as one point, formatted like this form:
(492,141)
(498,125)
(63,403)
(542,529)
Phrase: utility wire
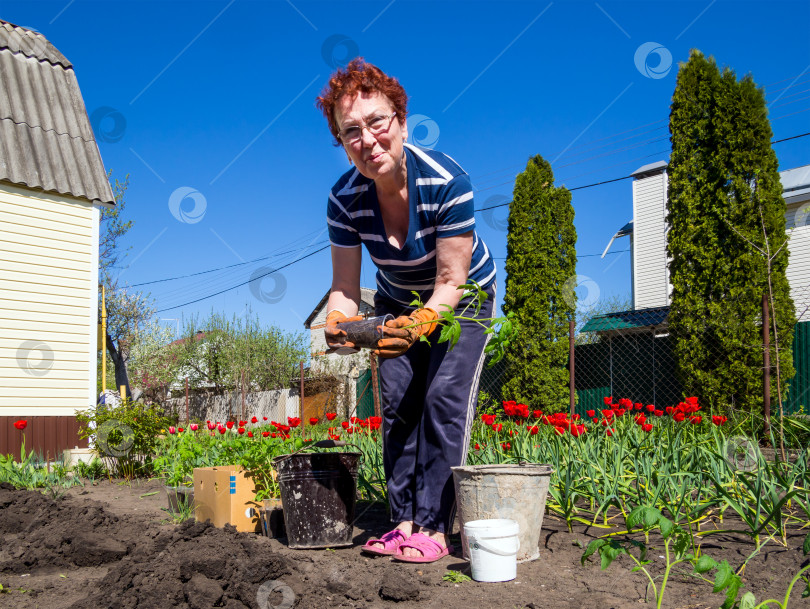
(229,266)
(625,177)
(326,246)
(243,283)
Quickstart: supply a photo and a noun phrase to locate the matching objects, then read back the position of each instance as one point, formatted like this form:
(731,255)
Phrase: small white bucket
(494,545)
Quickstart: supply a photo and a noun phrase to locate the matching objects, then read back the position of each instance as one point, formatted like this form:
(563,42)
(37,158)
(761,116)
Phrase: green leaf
(748,601)
(592,547)
(726,578)
(610,552)
(806,591)
(806,545)
(723,576)
(666,525)
(705,563)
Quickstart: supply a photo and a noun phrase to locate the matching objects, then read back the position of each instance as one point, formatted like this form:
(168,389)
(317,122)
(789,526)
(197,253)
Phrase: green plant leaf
(806,545)
(705,563)
(592,547)
(748,601)
(727,579)
(666,526)
(723,576)
(806,591)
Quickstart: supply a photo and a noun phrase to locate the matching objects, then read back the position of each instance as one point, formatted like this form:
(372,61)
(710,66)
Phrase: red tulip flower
(533,430)
(560,431)
(658,413)
(221,429)
(265,434)
(650,408)
(695,420)
(265,418)
(678,416)
(254,420)
(537,414)
(241,430)
(591,413)
(229,424)
(578,430)
(313,420)
(330,416)
(250,434)
(180,430)
(21,425)
(193,427)
(293,421)
(647,427)
(488,419)
(345,425)
(497,427)
(172,430)
(610,431)
(608,400)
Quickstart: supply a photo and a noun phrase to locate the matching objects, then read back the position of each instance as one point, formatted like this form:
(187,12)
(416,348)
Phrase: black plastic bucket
(318,493)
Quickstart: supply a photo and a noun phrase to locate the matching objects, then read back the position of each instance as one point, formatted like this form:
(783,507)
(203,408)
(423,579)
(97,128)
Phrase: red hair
(360,77)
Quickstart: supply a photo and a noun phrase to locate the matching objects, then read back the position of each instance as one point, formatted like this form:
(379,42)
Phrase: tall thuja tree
(726,238)
(540,262)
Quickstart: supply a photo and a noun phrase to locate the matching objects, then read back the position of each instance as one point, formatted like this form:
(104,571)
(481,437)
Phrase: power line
(229,266)
(578,255)
(625,177)
(326,246)
(243,283)
(579,146)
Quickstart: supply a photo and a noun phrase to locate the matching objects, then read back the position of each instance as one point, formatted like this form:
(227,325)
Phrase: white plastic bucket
(494,544)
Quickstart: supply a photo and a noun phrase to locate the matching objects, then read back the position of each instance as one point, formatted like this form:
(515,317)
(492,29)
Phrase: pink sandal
(391,542)
(431,550)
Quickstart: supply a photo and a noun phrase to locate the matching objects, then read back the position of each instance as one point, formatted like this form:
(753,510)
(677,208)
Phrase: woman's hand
(335,337)
(400,333)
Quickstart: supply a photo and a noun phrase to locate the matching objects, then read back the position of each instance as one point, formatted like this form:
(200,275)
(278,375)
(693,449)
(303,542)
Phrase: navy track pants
(429,400)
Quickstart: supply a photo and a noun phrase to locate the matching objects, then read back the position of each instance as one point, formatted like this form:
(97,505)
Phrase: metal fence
(633,354)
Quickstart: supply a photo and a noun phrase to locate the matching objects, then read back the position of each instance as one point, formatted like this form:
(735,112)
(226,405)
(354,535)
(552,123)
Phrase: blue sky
(209,107)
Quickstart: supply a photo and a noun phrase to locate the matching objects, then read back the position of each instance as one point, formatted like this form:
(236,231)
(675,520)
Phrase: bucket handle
(490,549)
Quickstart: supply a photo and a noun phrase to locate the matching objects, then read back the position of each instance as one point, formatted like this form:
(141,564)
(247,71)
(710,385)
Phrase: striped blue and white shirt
(441,205)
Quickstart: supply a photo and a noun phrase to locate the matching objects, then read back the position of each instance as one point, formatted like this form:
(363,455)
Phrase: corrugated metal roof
(625,320)
(46,141)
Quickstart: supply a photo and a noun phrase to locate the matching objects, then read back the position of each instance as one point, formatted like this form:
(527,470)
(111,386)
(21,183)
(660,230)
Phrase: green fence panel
(365,396)
(799,388)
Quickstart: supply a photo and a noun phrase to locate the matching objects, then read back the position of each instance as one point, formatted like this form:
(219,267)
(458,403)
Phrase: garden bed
(111,545)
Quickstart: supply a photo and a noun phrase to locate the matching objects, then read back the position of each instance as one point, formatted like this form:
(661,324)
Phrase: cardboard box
(224,495)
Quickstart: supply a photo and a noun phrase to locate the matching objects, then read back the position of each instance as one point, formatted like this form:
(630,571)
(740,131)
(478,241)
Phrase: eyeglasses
(375,126)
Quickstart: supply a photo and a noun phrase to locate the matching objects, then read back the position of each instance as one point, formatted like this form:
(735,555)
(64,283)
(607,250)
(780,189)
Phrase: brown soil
(112,546)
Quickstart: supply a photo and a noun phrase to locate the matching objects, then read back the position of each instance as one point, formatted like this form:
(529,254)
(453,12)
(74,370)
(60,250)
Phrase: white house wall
(48,303)
(798,272)
(650,275)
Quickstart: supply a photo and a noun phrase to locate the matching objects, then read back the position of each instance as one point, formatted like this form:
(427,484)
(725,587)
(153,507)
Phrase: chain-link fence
(637,355)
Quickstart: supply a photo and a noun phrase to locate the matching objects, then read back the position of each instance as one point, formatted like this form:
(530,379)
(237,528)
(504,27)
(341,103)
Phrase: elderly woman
(413,210)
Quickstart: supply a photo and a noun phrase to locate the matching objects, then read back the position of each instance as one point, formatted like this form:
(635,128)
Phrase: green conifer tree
(541,257)
(723,189)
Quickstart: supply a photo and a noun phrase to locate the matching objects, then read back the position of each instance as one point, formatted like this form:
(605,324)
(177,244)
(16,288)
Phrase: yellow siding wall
(48,303)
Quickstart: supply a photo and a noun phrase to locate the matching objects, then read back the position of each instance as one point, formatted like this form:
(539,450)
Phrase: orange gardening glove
(336,338)
(397,338)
